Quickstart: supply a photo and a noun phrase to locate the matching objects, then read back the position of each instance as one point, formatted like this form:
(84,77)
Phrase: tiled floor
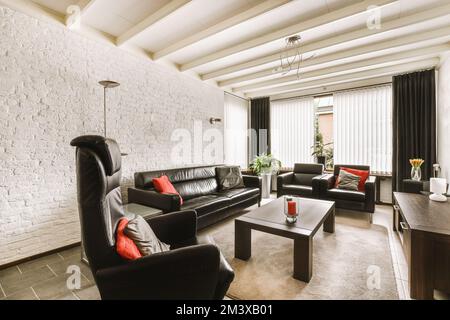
(46,278)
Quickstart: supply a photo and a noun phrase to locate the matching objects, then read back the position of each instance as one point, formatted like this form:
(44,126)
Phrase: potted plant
(265,165)
(319,150)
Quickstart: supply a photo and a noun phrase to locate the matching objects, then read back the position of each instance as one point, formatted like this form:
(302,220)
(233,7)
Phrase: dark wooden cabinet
(424,230)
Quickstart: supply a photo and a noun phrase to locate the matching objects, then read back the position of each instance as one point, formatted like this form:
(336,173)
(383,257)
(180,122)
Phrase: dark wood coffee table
(271,219)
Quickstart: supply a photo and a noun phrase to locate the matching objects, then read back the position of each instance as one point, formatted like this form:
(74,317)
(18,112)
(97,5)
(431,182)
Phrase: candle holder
(291,208)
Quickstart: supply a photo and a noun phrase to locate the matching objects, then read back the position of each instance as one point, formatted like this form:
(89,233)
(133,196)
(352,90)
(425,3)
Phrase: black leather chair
(349,199)
(304,181)
(192,269)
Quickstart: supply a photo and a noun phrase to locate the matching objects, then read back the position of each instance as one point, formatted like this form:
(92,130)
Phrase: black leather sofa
(348,199)
(194,268)
(198,187)
(304,181)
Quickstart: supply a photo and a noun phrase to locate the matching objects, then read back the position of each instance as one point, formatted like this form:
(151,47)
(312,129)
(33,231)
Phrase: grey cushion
(143,236)
(229,177)
(348,181)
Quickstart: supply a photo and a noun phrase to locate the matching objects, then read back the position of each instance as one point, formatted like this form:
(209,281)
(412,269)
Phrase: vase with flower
(416,172)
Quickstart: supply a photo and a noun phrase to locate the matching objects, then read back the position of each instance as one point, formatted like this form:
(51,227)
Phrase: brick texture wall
(49,95)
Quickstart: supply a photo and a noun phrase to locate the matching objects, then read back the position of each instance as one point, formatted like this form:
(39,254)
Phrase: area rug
(344,267)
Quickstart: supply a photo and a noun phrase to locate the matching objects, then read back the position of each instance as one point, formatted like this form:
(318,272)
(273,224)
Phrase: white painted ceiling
(116,17)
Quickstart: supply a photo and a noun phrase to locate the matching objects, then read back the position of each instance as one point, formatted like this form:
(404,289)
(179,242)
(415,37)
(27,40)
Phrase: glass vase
(291,208)
(416,173)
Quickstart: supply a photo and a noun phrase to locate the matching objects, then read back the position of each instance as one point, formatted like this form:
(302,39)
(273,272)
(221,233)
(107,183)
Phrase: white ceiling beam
(76,12)
(232,21)
(85,5)
(160,14)
(332,88)
(346,37)
(389,59)
(286,32)
(443,33)
(35,10)
(384,71)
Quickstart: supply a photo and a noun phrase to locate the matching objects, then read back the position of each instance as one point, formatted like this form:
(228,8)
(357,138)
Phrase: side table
(131,210)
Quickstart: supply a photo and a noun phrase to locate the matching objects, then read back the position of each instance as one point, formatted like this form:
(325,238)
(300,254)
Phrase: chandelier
(290,56)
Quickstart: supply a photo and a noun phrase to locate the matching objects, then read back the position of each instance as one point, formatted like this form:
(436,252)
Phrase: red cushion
(362,174)
(163,185)
(125,247)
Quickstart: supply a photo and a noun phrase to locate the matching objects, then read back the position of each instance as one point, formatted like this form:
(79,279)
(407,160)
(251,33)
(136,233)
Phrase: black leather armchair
(304,181)
(349,199)
(193,269)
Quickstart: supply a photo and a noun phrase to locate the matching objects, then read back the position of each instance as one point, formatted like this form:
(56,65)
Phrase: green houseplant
(319,148)
(265,165)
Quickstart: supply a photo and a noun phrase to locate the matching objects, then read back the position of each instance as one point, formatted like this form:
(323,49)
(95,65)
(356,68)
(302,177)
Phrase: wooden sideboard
(424,230)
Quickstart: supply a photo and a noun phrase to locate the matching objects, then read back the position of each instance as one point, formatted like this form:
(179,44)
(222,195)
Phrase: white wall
(443,116)
(49,95)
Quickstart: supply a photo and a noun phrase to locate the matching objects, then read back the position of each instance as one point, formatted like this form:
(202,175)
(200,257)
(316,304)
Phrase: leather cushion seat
(239,195)
(349,195)
(297,189)
(206,204)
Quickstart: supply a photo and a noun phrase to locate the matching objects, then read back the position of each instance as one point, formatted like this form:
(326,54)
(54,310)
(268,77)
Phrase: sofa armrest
(370,189)
(165,202)
(316,185)
(185,273)
(253,182)
(282,179)
(328,181)
(175,227)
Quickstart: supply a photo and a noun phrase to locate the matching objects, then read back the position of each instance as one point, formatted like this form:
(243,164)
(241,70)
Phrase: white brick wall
(49,95)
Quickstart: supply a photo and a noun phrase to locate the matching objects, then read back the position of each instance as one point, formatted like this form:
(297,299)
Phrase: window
(292,130)
(324,131)
(363,128)
(236,126)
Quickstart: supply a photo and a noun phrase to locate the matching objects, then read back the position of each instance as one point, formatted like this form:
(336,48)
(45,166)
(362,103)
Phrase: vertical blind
(363,128)
(292,130)
(236,128)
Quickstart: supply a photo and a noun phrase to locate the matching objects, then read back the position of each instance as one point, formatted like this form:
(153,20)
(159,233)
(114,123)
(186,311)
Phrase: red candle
(292,208)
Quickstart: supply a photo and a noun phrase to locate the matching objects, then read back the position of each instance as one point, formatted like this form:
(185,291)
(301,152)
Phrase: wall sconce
(214,120)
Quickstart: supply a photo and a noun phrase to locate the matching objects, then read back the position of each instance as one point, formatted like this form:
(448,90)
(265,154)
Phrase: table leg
(303,258)
(328,225)
(242,241)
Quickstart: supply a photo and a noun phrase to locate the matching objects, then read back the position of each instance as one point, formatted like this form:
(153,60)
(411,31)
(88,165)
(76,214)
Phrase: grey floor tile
(69,296)
(2,293)
(12,271)
(37,263)
(90,293)
(17,282)
(25,294)
(75,251)
(60,267)
(56,287)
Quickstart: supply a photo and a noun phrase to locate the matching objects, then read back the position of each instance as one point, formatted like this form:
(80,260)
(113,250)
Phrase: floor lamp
(107,84)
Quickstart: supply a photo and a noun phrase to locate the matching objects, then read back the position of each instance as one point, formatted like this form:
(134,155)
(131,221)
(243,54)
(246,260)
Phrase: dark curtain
(414,124)
(260,125)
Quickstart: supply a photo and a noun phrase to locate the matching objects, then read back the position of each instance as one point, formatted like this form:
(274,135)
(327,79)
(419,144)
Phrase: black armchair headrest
(308,168)
(107,150)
